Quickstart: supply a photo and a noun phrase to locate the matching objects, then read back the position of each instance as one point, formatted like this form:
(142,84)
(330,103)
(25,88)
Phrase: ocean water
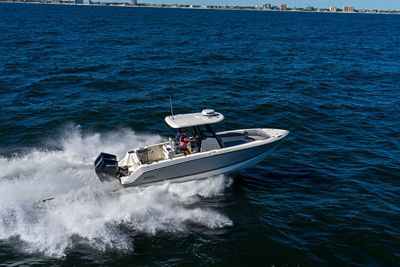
(78,80)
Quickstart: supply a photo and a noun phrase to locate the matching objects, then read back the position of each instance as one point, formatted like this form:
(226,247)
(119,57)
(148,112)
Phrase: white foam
(85,211)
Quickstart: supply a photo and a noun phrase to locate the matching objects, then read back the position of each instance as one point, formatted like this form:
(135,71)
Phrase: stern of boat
(106,167)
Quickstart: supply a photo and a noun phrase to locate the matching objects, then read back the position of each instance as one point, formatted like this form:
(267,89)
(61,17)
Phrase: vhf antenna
(172,110)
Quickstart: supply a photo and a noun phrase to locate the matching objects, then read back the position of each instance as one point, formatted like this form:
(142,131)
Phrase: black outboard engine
(106,166)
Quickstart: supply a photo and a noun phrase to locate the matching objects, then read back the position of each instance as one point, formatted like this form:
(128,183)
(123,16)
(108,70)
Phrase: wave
(87,212)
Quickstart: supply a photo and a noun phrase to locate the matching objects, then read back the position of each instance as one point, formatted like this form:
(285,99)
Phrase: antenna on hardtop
(172,110)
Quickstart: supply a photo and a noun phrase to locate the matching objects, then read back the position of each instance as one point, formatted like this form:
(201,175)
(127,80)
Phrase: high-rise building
(133,2)
(78,2)
(283,7)
(332,9)
(267,6)
(348,9)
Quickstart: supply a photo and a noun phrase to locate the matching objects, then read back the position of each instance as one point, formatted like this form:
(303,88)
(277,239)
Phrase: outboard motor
(106,166)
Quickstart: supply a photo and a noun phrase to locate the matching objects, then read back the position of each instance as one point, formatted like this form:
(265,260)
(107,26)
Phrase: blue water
(77,80)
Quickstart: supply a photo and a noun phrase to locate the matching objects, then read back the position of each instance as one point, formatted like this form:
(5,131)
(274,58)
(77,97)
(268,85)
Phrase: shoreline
(223,8)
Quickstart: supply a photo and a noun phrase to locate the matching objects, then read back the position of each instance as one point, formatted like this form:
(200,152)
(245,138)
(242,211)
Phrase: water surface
(77,80)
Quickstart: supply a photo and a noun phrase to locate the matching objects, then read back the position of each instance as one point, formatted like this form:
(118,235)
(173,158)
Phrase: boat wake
(87,212)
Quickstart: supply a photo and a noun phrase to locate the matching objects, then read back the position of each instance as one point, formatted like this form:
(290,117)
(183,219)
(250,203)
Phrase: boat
(208,153)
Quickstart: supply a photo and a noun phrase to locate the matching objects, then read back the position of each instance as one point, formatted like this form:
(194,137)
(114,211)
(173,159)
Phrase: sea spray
(86,211)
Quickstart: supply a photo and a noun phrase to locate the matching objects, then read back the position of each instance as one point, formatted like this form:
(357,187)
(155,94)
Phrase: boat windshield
(202,137)
(206,132)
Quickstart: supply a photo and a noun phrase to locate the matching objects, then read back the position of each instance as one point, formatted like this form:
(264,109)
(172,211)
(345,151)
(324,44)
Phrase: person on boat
(178,148)
(184,141)
(178,135)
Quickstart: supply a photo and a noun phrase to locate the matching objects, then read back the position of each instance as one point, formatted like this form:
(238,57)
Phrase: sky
(367,4)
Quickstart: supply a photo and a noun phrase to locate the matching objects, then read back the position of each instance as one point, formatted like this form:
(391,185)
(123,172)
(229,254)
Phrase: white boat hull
(206,164)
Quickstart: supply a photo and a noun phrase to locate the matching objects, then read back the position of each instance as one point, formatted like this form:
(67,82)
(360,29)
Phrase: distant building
(348,9)
(78,2)
(332,9)
(283,7)
(267,6)
(133,2)
(309,8)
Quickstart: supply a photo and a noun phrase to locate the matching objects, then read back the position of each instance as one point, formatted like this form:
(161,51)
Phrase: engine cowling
(106,167)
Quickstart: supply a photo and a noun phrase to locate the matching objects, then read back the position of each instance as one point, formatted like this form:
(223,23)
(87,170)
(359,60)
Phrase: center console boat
(209,153)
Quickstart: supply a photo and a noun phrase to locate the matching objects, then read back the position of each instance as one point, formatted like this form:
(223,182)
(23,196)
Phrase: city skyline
(364,4)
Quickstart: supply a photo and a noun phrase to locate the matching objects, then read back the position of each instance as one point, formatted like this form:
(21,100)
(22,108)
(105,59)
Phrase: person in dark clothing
(178,135)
